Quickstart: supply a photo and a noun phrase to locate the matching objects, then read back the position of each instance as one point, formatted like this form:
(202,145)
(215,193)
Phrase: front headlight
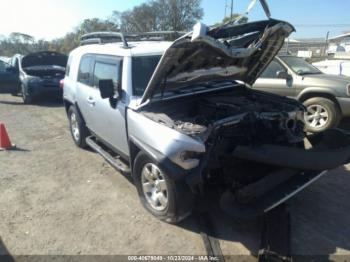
(187,159)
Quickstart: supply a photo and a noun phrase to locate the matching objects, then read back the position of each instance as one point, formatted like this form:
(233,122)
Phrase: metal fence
(315,49)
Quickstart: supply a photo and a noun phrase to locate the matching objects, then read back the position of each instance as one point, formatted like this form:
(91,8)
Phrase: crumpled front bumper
(299,168)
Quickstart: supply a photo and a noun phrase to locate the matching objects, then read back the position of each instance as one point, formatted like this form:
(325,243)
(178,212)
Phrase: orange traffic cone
(5,142)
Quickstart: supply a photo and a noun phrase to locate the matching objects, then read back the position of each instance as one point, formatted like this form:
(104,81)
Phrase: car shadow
(11,102)
(345,124)
(5,255)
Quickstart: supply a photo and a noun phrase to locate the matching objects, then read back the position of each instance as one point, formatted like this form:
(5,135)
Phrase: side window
(68,65)
(85,70)
(272,69)
(16,64)
(105,70)
(2,66)
(142,70)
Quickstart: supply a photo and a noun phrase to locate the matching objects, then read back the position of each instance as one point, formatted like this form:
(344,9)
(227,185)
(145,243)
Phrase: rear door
(85,89)
(9,79)
(269,82)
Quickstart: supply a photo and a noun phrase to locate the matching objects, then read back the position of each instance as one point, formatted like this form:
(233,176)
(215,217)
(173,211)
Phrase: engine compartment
(242,115)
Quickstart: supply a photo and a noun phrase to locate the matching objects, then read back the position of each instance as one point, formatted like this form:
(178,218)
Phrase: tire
(26,98)
(77,127)
(322,114)
(179,198)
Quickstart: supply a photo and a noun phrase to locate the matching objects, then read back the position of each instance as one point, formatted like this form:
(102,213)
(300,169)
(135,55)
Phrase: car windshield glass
(142,70)
(300,66)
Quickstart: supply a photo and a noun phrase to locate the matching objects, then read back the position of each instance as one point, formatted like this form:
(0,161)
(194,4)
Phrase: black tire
(83,132)
(179,196)
(331,109)
(25,97)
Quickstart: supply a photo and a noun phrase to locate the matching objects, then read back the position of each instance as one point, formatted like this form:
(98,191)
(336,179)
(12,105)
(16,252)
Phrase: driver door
(269,81)
(108,120)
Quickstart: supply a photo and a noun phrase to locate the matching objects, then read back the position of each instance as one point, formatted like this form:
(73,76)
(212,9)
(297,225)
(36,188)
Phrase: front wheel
(166,199)
(321,114)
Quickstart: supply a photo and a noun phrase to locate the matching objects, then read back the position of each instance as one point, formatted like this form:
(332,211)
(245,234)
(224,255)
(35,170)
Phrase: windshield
(300,66)
(142,70)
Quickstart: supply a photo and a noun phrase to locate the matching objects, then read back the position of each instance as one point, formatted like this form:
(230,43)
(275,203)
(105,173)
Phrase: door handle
(90,101)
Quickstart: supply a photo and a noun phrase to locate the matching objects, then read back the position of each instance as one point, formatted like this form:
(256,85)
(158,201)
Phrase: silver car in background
(326,97)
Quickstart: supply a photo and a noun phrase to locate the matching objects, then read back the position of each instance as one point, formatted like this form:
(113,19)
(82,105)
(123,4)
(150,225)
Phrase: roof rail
(103,37)
(110,37)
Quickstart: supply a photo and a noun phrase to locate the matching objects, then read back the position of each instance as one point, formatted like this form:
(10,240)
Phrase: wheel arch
(312,94)
(174,171)
(68,104)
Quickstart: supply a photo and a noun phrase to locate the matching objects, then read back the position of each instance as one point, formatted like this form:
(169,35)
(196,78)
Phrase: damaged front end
(256,150)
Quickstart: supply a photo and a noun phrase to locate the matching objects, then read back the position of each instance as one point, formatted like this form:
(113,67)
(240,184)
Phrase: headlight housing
(187,159)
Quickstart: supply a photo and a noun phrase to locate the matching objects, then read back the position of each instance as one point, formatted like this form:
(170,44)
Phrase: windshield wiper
(309,73)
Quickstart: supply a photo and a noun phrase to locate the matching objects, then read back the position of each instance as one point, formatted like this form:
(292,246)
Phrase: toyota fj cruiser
(178,116)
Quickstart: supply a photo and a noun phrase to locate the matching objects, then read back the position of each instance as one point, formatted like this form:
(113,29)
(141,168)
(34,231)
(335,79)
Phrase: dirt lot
(57,199)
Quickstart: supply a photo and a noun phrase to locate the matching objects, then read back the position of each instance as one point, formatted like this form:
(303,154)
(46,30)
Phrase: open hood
(228,52)
(44,59)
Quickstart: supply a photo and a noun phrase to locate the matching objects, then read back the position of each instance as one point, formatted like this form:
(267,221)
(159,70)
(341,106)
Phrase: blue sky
(51,18)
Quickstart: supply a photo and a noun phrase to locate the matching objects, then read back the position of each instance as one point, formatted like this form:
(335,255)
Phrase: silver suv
(179,118)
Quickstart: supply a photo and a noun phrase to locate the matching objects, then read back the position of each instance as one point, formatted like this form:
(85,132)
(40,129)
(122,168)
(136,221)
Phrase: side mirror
(106,88)
(282,75)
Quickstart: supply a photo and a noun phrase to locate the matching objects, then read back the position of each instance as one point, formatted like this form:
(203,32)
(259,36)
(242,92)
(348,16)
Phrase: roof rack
(103,37)
(112,37)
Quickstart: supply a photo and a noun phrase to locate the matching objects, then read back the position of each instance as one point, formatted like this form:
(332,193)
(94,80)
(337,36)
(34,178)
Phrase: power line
(322,25)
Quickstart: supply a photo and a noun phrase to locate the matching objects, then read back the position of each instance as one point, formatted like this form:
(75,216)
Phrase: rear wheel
(78,129)
(166,199)
(321,114)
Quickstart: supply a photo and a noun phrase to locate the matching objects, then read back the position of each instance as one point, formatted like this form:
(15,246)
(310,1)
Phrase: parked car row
(33,75)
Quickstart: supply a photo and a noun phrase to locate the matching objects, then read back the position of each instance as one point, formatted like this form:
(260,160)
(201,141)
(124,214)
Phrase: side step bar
(115,162)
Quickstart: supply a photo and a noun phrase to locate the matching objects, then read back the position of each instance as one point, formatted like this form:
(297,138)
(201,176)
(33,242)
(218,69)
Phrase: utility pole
(231,7)
(326,44)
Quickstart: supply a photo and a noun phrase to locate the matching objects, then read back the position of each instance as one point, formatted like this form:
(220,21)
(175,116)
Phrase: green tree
(159,15)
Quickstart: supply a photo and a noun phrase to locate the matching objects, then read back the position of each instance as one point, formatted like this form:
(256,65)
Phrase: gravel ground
(56,199)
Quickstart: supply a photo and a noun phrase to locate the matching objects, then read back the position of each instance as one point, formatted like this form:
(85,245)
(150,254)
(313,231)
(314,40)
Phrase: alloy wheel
(154,187)
(316,116)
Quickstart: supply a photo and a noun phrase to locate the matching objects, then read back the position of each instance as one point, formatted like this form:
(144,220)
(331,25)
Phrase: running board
(115,162)
(270,200)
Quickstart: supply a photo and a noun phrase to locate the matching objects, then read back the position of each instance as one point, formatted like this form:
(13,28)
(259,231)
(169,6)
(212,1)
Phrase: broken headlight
(188,159)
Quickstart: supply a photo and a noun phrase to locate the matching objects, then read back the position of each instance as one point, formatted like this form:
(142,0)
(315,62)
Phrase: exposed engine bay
(242,115)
